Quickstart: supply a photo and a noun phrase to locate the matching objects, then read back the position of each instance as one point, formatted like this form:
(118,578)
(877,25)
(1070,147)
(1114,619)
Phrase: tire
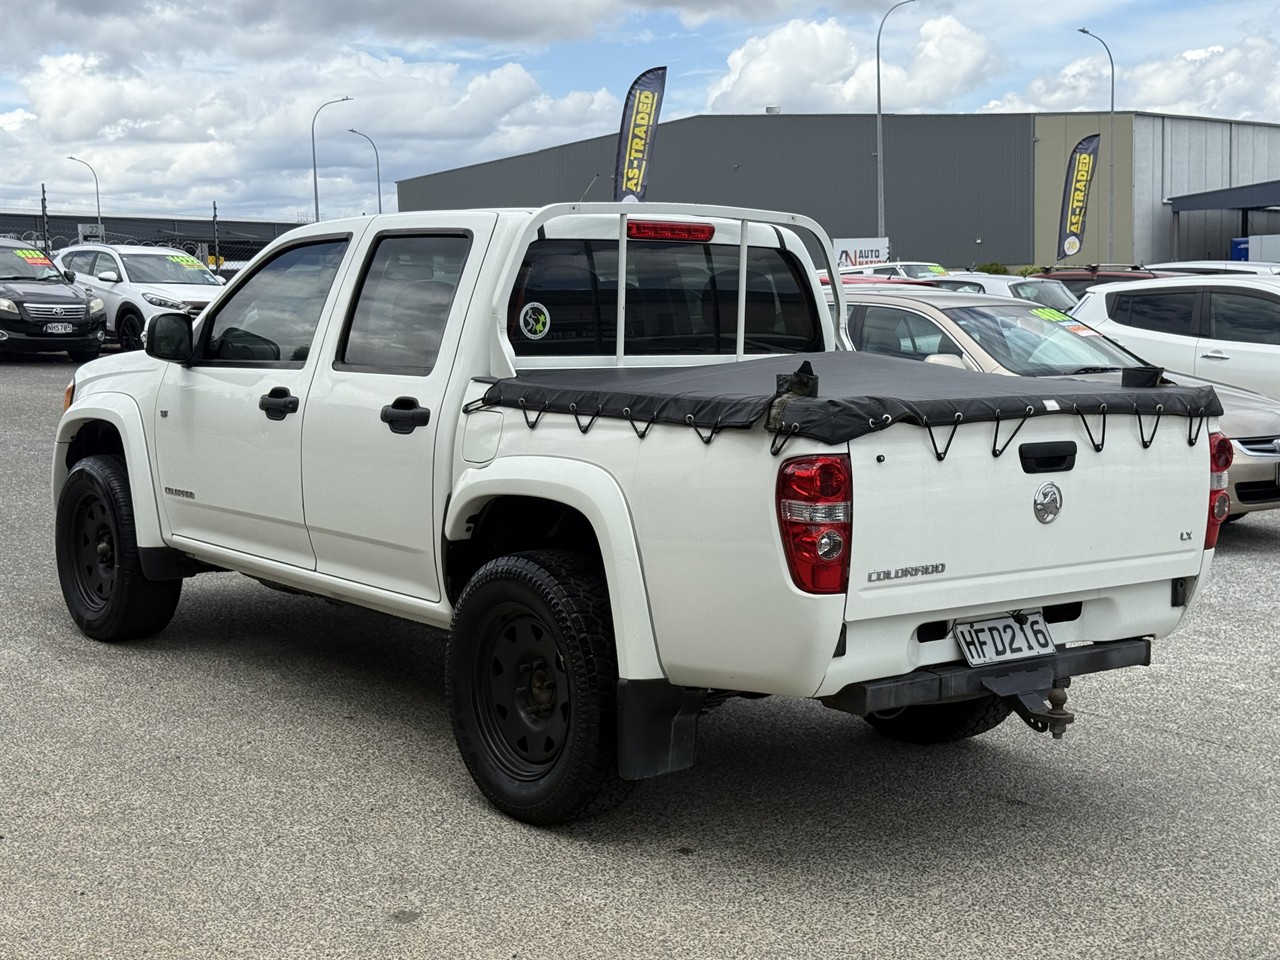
(531,685)
(942,722)
(129,329)
(97,551)
(85,355)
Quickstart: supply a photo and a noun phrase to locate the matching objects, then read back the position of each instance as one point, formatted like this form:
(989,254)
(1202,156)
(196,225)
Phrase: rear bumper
(957,681)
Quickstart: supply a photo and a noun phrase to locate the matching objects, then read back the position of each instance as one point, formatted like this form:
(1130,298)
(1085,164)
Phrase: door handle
(1215,356)
(278,403)
(403,415)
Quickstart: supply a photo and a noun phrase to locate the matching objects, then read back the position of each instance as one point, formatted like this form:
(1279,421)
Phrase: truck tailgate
(963,531)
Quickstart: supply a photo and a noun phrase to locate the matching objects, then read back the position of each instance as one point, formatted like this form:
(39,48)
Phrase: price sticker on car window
(188,261)
(1049,313)
(33,257)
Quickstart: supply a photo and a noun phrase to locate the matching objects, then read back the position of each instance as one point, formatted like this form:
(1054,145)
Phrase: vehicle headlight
(96,305)
(8,306)
(158,301)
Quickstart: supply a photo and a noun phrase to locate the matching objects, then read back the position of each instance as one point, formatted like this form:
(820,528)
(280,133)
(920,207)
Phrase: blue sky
(180,104)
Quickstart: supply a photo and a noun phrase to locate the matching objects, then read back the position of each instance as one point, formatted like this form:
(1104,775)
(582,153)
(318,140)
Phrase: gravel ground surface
(275,777)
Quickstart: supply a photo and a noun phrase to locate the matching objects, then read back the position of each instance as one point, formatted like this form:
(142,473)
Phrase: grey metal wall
(950,181)
(1173,156)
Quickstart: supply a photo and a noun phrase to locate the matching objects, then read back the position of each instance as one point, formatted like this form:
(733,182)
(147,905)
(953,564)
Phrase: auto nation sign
(858,252)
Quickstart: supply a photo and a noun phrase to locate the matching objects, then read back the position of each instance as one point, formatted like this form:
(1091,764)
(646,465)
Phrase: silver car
(1003,335)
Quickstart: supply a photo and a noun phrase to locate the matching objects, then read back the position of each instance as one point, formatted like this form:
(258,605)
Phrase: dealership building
(958,189)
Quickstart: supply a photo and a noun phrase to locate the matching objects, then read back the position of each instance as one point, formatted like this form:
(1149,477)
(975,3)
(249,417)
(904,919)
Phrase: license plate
(58,328)
(1003,638)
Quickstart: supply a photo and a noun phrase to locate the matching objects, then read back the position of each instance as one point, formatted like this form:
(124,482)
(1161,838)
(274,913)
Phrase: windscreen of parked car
(1040,341)
(681,299)
(23,263)
(167,268)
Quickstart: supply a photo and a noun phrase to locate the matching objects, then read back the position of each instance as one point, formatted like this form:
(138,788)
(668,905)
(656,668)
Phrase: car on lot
(136,282)
(1258,267)
(911,269)
(1008,336)
(40,311)
(1221,328)
(1049,293)
(1079,278)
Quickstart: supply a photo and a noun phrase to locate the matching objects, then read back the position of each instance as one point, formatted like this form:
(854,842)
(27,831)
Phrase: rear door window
(1161,312)
(894,332)
(681,298)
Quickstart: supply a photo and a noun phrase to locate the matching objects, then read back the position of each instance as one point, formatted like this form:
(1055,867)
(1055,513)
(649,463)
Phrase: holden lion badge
(1047,503)
(534,321)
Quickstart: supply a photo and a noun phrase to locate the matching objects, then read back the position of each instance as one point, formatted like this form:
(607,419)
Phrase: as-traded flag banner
(1075,196)
(635,139)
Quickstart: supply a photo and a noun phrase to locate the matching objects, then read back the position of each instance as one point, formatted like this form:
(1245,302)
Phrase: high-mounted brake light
(1221,454)
(657,230)
(815,517)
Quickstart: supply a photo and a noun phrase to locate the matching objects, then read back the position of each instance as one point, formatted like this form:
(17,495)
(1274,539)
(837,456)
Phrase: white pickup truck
(622,453)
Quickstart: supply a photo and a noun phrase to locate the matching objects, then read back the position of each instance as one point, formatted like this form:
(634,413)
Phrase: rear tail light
(1220,456)
(657,230)
(815,517)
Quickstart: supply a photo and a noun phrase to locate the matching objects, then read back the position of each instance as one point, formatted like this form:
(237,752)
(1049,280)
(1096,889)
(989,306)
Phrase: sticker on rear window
(535,321)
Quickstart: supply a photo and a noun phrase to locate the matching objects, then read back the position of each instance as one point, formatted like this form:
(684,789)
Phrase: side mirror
(948,360)
(109,276)
(169,337)
(221,279)
(70,275)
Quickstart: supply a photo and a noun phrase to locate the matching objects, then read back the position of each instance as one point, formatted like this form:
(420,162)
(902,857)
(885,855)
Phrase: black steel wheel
(129,330)
(942,722)
(531,684)
(105,590)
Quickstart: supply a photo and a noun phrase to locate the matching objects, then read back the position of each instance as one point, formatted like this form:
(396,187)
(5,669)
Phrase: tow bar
(1036,697)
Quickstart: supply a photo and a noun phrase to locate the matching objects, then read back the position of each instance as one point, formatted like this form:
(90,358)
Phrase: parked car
(1259,267)
(1079,278)
(1050,293)
(1222,328)
(1002,335)
(911,269)
(40,311)
(135,283)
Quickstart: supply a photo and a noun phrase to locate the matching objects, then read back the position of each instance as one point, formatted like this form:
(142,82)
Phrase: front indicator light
(68,395)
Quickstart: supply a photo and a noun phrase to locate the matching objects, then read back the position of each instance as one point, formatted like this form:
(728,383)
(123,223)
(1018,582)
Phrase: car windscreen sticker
(939,270)
(188,261)
(1049,313)
(535,321)
(33,257)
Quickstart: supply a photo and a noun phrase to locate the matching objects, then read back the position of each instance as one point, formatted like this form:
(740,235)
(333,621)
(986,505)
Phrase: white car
(138,282)
(911,269)
(1257,267)
(1221,328)
(1050,293)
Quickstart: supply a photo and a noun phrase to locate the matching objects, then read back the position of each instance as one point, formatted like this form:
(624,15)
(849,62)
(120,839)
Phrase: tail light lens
(815,517)
(1221,454)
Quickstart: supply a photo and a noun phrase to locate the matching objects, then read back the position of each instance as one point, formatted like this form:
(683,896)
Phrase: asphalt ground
(275,777)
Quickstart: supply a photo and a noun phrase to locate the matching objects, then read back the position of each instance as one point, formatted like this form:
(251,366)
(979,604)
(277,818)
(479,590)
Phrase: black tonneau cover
(857,393)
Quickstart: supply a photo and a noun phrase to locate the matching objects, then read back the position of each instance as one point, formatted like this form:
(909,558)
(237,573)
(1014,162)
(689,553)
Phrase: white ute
(622,453)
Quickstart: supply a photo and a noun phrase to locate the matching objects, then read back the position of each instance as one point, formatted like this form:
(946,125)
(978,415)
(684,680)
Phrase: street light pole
(1111,153)
(102,236)
(880,126)
(377,164)
(315,177)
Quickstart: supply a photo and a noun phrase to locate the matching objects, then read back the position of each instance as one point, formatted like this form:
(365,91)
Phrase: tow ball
(1037,697)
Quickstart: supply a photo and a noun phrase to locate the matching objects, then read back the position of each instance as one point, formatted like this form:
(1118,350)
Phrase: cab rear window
(681,298)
